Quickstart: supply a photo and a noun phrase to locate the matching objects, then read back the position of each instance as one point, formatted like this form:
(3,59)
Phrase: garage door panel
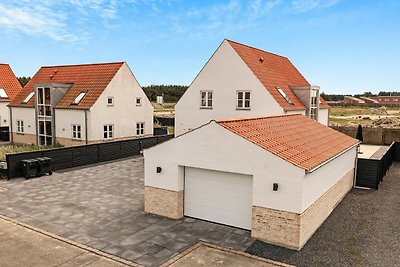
(218,196)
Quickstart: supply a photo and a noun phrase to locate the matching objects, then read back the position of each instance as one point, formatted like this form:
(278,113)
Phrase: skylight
(3,93)
(284,95)
(26,100)
(79,98)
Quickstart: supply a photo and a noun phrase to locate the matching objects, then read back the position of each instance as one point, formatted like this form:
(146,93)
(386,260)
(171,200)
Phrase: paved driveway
(102,207)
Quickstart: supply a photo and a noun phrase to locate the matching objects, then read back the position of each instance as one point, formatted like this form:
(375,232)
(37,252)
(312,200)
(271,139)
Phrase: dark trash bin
(6,136)
(29,168)
(44,166)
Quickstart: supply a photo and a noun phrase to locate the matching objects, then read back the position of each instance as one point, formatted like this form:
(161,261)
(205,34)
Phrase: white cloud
(299,6)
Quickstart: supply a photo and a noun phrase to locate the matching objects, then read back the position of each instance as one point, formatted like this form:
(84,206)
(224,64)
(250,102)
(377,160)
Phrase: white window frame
(140,101)
(79,98)
(206,99)
(20,126)
(28,97)
(108,131)
(76,132)
(242,102)
(3,93)
(140,128)
(108,101)
(284,95)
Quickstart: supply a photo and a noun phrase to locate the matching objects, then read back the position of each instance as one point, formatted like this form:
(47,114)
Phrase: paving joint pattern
(102,207)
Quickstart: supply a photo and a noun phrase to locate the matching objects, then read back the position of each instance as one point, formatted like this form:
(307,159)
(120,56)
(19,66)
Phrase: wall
(372,136)
(224,74)
(64,118)
(124,114)
(211,147)
(28,116)
(318,182)
(4,114)
(323,116)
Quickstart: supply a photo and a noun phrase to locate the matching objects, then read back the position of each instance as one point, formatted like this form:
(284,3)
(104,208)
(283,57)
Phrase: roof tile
(92,78)
(9,82)
(295,138)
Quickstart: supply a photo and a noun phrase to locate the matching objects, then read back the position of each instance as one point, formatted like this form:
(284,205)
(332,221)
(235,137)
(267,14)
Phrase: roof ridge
(86,64)
(256,118)
(252,47)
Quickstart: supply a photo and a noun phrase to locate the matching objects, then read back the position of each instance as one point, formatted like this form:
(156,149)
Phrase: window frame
(140,101)
(243,99)
(20,127)
(108,134)
(284,95)
(28,97)
(75,132)
(78,99)
(208,101)
(108,101)
(140,126)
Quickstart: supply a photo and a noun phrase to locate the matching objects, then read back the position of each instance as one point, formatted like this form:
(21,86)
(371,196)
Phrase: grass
(12,149)
(354,111)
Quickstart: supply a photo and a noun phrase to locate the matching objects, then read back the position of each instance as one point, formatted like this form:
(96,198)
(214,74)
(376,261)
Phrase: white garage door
(221,197)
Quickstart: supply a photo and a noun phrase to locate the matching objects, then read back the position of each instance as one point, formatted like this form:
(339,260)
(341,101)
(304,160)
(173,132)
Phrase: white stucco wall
(65,118)
(215,148)
(124,114)
(225,73)
(323,116)
(318,182)
(4,114)
(289,112)
(27,115)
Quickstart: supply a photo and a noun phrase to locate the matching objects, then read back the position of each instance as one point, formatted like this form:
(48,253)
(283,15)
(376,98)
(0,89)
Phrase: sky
(344,46)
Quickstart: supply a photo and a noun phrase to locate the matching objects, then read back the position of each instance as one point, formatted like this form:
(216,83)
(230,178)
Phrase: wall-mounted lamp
(158,169)
(275,186)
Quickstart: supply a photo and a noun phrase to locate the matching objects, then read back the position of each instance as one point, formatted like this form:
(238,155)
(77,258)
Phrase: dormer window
(3,93)
(28,97)
(283,94)
(79,98)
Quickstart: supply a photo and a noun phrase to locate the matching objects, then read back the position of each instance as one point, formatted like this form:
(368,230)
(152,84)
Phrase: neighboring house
(369,100)
(350,100)
(81,104)
(9,88)
(387,100)
(278,176)
(240,81)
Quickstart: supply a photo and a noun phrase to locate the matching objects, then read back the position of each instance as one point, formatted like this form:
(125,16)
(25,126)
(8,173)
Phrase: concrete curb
(241,253)
(72,243)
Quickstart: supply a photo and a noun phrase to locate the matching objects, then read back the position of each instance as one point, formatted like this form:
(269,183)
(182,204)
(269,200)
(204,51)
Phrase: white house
(278,176)
(81,104)
(241,81)
(9,88)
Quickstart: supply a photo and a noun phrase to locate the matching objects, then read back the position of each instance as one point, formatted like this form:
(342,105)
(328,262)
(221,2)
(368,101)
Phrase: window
(79,98)
(243,99)
(206,99)
(3,93)
(76,131)
(110,101)
(138,101)
(20,126)
(108,131)
(313,104)
(284,95)
(140,128)
(26,100)
(45,125)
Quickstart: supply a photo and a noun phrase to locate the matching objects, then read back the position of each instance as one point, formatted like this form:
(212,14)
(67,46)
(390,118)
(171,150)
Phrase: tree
(171,93)
(24,80)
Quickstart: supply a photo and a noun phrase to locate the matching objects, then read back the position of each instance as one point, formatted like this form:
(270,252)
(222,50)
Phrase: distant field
(366,116)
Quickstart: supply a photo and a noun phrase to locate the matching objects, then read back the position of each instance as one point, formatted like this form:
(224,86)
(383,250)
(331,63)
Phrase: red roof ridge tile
(84,64)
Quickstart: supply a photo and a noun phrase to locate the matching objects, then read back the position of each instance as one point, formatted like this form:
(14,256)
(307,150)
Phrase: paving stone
(102,206)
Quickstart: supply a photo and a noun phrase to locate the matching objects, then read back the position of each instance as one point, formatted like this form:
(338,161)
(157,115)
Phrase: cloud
(300,6)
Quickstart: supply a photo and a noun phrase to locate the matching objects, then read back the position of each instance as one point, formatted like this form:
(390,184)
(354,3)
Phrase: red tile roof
(295,138)
(9,82)
(274,71)
(91,78)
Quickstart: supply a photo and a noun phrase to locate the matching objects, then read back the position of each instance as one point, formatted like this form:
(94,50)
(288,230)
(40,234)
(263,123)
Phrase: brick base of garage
(293,230)
(163,202)
(23,138)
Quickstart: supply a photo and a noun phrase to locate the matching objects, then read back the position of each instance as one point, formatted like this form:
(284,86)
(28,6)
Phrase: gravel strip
(363,230)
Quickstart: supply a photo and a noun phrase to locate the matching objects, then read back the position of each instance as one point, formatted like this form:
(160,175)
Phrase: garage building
(278,176)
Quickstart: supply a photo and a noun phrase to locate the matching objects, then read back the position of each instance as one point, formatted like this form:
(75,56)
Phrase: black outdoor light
(159,169)
(275,186)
